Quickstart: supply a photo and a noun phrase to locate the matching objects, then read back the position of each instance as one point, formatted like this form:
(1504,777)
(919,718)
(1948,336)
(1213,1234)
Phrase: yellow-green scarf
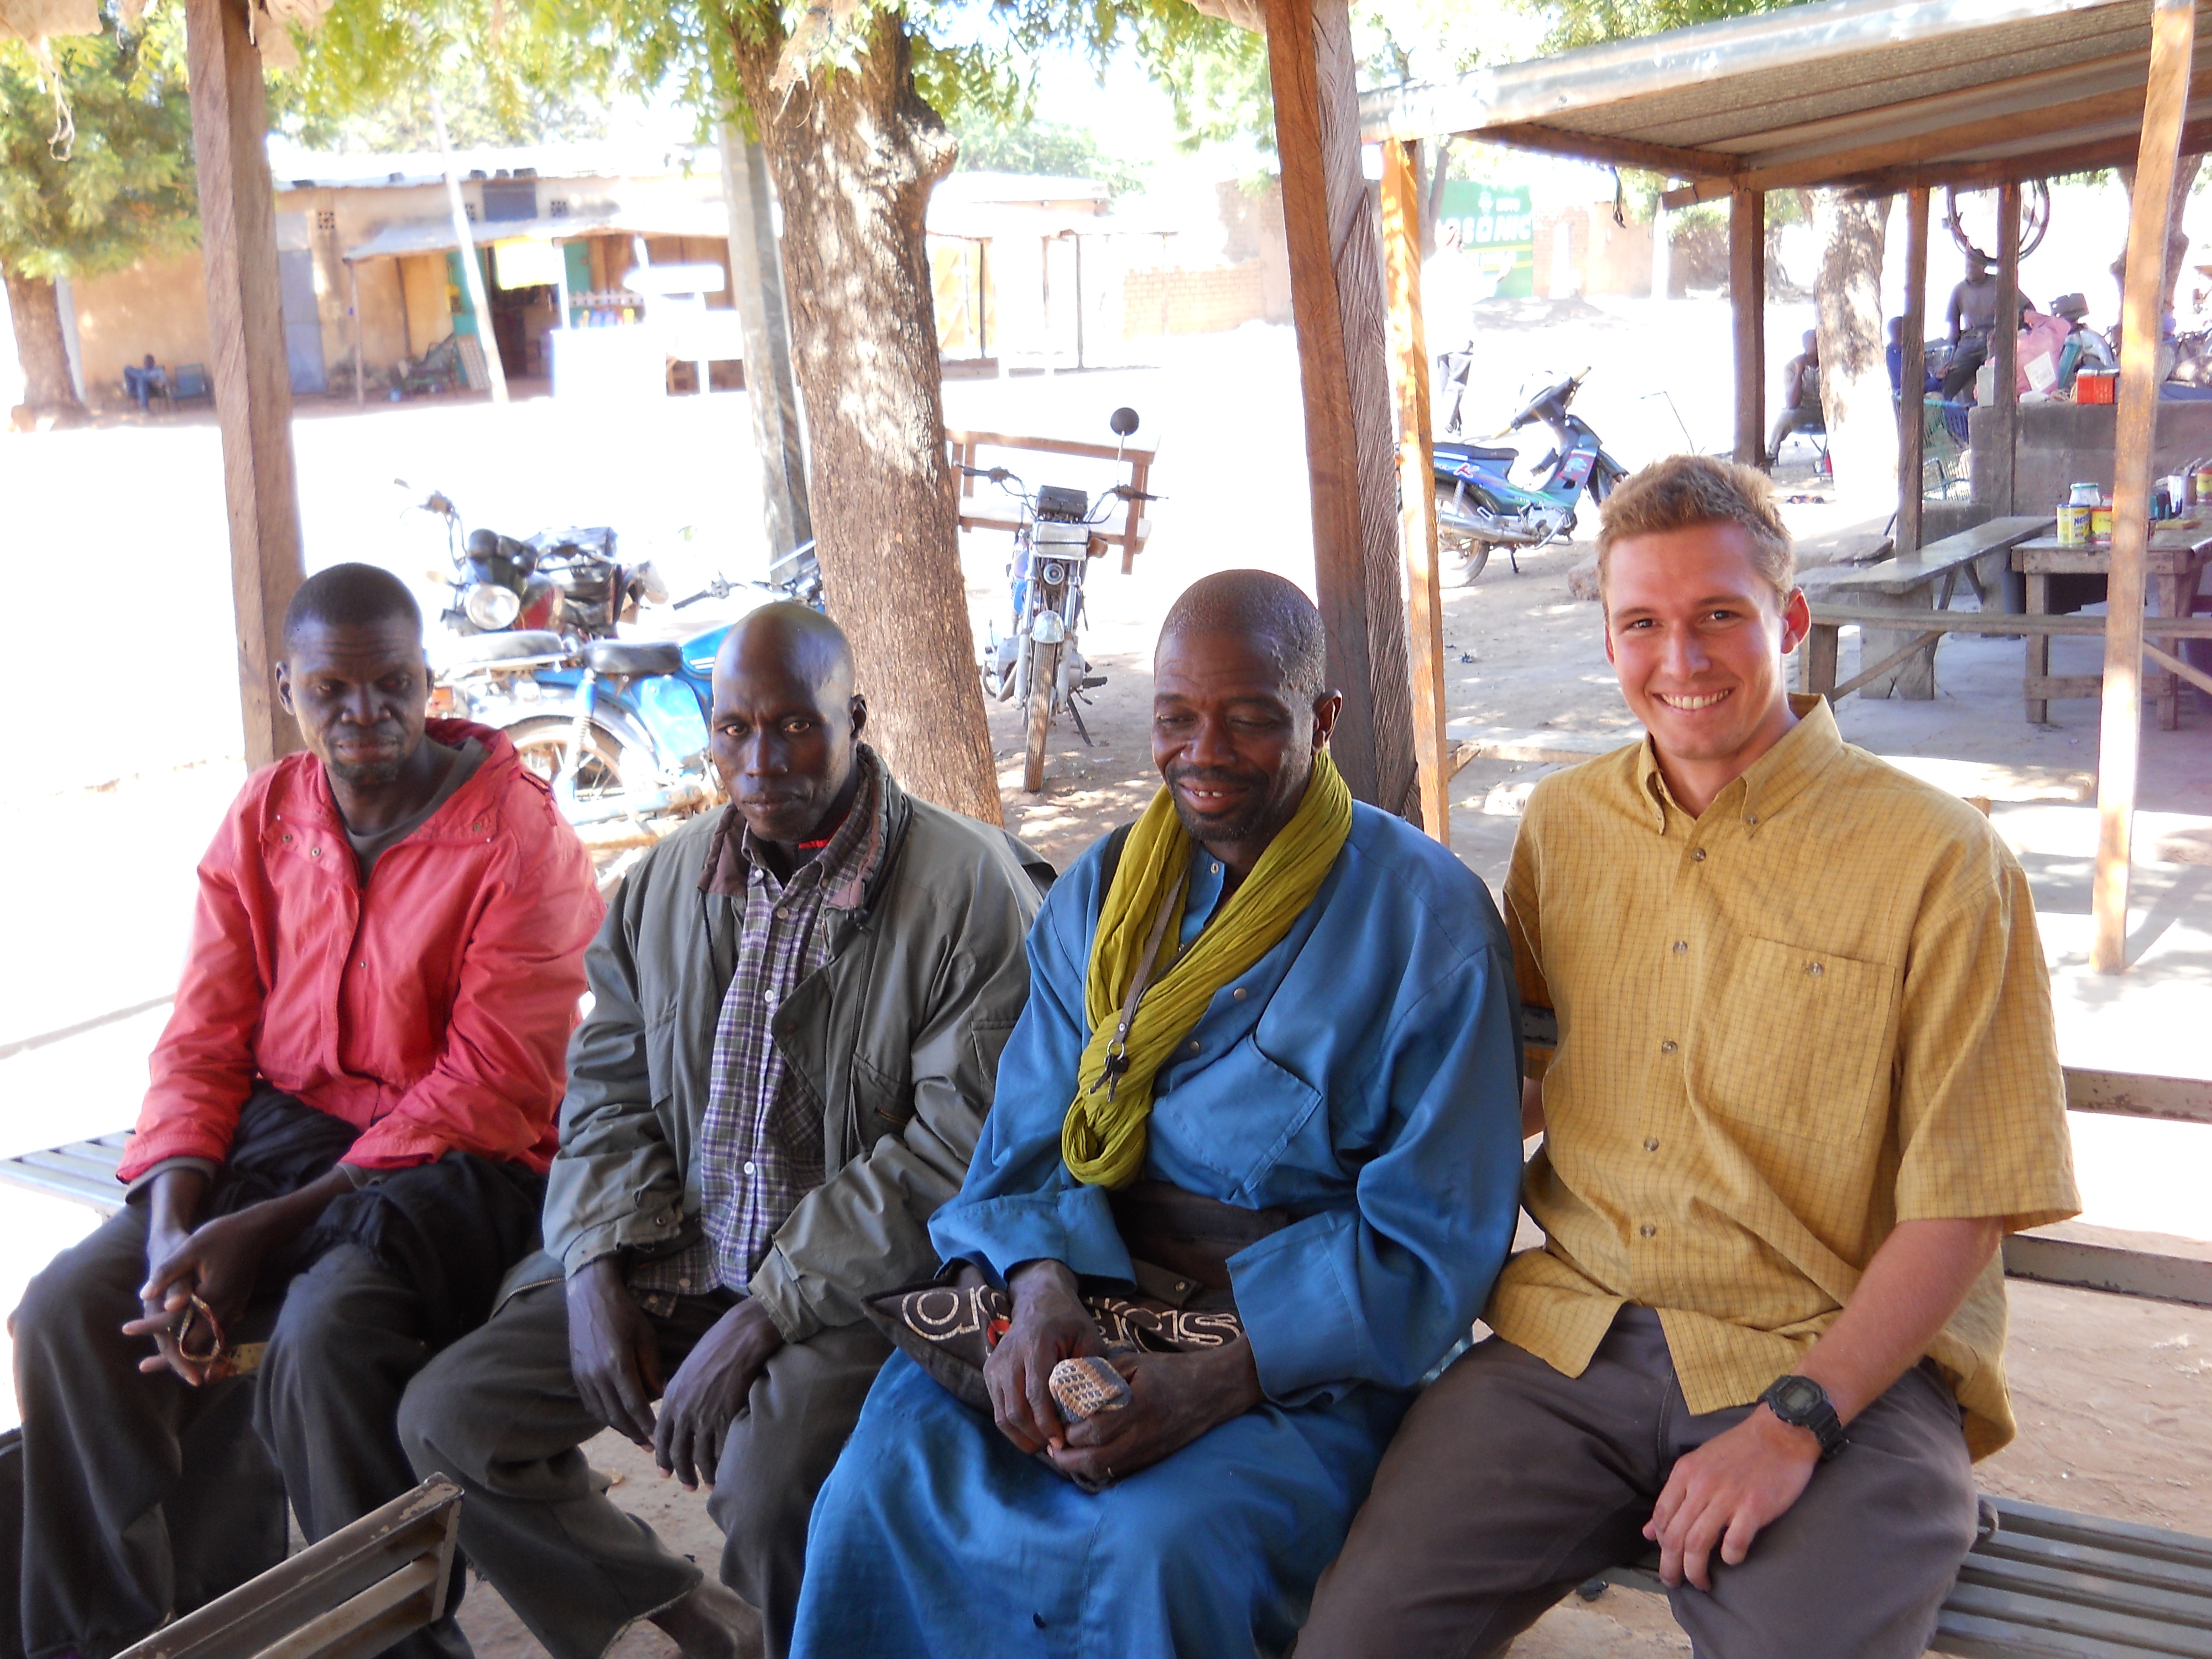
(1103,1140)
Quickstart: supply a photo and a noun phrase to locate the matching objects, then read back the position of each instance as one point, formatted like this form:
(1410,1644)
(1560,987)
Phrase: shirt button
(748,1166)
(1680,945)
(1813,969)
(1652,1143)
(782,910)
(1698,857)
(1213,869)
(1239,993)
(1193,1047)
(1668,1047)
(1648,1231)
(1751,818)
(314,852)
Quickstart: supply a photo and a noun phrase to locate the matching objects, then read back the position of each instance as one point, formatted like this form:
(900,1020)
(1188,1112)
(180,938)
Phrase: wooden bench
(348,1598)
(1922,629)
(1924,581)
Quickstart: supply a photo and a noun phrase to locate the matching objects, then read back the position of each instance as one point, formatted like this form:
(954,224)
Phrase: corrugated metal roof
(1865,94)
(697,219)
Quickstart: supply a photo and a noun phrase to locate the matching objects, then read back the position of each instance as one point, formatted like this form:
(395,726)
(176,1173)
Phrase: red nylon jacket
(431,1010)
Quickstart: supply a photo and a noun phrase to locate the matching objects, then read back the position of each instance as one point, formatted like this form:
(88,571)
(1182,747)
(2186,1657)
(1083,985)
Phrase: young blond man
(1806,1081)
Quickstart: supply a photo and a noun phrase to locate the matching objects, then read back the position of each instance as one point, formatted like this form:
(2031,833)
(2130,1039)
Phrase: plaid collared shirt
(760,1143)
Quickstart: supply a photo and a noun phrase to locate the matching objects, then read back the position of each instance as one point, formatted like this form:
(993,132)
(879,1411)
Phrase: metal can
(2100,523)
(2073,525)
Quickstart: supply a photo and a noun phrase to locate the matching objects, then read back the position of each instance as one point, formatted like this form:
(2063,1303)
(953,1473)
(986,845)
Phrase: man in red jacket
(343,1147)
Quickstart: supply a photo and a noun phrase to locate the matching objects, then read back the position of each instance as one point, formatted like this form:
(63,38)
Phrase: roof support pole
(246,340)
(2174,39)
(757,287)
(2004,353)
(1352,450)
(1747,308)
(1912,375)
(1417,493)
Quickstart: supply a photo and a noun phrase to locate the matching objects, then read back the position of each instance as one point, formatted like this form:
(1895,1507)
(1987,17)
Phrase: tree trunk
(1853,374)
(35,308)
(855,153)
(2177,238)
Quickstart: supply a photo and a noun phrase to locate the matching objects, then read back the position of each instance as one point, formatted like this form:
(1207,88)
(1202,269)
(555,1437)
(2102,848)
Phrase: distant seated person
(144,381)
(2085,348)
(1895,353)
(343,1148)
(1261,1108)
(1800,398)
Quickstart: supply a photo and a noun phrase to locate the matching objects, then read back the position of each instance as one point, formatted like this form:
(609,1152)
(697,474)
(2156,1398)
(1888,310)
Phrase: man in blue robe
(1329,1052)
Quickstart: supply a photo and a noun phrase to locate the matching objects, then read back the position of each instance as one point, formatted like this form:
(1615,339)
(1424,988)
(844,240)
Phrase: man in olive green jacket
(797,1008)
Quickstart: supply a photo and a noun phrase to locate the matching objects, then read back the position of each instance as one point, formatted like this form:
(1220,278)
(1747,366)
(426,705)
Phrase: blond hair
(1684,491)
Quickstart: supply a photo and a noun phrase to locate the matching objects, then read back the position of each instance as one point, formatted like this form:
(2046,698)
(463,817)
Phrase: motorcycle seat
(501,647)
(633,656)
(1474,452)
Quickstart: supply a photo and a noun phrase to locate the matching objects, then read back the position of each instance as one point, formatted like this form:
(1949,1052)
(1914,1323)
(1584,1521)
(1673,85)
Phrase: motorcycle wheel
(1464,556)
(543,746)
(1044,680)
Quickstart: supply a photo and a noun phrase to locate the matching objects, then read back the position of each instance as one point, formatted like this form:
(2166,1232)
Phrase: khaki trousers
(1509,1484)
(499,1412)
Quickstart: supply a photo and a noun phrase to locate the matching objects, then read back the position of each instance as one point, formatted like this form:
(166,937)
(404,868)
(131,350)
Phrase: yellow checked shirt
(1817,1011)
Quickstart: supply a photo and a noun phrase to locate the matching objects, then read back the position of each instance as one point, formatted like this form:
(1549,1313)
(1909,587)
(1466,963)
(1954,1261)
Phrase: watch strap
(1819,1417)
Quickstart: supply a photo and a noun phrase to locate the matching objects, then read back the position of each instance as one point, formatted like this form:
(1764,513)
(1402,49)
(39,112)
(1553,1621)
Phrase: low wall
(1206,302)
(2064,444)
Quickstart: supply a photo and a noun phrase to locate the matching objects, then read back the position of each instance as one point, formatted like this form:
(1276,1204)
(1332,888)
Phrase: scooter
(566,582)
(1478,506)
(618,726)
(1039,663)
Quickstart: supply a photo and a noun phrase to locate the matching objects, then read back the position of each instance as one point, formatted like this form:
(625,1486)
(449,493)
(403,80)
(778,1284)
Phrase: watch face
(1796,1395)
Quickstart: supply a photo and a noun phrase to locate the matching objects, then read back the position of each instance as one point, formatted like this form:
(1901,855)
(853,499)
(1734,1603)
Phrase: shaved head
(351,596)
(786,724)
(798,636)
(1263,608)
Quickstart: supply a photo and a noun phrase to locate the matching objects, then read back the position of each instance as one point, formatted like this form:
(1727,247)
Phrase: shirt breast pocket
(1794,1040)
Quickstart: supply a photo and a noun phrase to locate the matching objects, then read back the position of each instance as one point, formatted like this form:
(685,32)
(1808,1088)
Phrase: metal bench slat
(1971,1636)
(2125,1566)
(2048,1581)
(2036,1611)
(63,1160)
(2017,1516)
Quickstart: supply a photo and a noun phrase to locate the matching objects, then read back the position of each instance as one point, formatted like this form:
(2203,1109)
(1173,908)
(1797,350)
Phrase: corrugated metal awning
(701,219)
(1872,95)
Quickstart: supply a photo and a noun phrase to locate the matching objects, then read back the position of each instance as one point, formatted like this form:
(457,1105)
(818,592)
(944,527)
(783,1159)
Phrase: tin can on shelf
(2100,524)
(2073,525)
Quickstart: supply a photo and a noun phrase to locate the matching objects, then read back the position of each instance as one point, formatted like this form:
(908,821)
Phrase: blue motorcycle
(1478,506)
(618,728)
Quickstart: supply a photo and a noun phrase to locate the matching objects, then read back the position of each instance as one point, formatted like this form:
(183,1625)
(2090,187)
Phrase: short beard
(372,774)
(1265,816)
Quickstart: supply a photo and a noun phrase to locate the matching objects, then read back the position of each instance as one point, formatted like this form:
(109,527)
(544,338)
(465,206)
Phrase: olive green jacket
(897,1034)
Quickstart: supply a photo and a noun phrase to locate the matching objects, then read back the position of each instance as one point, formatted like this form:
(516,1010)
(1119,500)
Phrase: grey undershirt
(367,849)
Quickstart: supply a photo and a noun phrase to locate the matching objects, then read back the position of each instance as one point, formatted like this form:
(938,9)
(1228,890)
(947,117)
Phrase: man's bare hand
(217,1262)
(1050,1325)
(613,1353)
(709,1389)
(1175,1399)
(1726,1491)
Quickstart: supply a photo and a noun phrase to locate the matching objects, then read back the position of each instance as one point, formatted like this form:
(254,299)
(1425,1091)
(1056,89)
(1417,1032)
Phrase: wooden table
(2178,556)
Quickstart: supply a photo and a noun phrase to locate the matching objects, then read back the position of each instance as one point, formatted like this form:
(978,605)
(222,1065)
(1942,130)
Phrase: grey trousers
(499,1412)
(144,1497)
(1509,1484)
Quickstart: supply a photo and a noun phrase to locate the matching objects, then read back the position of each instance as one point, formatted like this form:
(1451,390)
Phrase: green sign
(1495,225)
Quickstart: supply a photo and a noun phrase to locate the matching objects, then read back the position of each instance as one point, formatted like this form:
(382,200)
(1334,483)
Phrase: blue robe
(1365,1074)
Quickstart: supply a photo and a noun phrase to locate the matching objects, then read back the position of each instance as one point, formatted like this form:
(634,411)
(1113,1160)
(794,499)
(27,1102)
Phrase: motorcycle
(618,726)
(1039,664)
(1478,506)
(569,583)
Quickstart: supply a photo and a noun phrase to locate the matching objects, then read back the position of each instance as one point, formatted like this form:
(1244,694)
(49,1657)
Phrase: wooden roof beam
(2195,139)
(1920,148)
(1703,165)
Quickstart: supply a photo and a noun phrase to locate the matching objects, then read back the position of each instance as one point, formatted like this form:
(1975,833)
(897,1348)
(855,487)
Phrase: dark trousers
(1509,1484)
(144,1497)
(499,1412)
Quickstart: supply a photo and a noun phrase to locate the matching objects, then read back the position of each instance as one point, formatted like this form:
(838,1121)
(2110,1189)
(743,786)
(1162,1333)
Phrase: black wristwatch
(1803,1404)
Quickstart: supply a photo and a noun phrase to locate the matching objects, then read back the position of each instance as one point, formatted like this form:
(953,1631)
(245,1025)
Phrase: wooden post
(756,287)
(472,266)
(1416,496)
(1747,309)
(1912,377)
(246,343)
(360,363)
(2004,351)
(1351,451)
(2174,39)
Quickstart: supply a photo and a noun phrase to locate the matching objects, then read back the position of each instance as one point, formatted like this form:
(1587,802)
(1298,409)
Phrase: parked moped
(1478,506)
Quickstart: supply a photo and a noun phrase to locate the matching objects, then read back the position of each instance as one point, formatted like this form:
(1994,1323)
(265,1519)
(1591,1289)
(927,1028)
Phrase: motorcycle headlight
(491,607)
(1055,573)
(1049,628)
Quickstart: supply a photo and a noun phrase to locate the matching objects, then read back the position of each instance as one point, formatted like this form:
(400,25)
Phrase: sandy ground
(122,793)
